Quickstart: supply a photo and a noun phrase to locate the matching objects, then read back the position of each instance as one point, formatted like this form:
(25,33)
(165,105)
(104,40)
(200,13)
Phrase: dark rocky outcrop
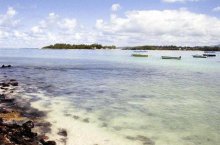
(62,132)
(14,134)
(6,66)
(14,127)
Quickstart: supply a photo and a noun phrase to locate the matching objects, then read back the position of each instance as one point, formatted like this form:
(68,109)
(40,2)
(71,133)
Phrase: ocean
(107,97)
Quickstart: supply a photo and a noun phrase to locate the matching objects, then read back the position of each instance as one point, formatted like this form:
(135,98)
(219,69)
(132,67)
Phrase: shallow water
(108,97)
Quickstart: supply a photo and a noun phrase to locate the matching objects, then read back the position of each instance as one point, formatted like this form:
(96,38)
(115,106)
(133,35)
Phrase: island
(79,46)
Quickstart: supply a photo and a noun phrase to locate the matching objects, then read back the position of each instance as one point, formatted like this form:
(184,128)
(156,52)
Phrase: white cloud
(8,23)
(11,12)
(178,27)
(216,9)
(182,1)
(36,29)
(7,19)
(54,29)
(156,27)
(68,24)
(115,7)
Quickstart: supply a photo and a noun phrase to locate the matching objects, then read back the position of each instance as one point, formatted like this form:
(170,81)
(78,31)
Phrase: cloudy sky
(36,23)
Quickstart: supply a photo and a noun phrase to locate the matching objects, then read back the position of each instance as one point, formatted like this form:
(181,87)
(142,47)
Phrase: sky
(37,23)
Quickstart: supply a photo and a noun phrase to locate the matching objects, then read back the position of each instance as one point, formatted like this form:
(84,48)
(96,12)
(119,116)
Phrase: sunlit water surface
(136,100)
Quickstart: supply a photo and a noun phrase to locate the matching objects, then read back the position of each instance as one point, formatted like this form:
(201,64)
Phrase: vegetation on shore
(146,47)
(172,47)
(80,46)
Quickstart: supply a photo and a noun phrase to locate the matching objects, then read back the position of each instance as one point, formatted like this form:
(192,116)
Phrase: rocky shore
(20,125)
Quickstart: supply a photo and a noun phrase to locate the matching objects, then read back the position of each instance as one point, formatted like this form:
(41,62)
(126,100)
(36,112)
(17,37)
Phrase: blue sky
(35,23)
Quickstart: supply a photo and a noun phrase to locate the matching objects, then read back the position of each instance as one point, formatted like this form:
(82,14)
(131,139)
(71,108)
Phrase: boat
(171,57)
(199,56)
(139,55)
(209,55)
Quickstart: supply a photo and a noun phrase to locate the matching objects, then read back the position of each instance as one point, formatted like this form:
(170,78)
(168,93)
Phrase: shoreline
(19,122)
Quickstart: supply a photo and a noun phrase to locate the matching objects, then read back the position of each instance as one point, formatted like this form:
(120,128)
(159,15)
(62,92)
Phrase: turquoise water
(169,102)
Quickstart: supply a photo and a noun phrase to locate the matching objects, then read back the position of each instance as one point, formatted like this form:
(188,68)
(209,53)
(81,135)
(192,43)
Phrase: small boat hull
(170,57)
(139,55)
(199,56)
(209,55)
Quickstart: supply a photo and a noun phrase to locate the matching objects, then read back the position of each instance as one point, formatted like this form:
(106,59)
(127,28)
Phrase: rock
(130,138)
(28,124)
(62,132)
(4,84)
(76,117)
(12,129)
(11,134)
(86,120)
(48,142)
(104,125)
(4,111)
(7,100)
(2,96)
(14,83)
(1,121)
(145,140)
(6,66)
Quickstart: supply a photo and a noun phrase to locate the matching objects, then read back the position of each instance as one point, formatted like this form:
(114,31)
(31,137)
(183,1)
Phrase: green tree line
(79,46)
(172,47)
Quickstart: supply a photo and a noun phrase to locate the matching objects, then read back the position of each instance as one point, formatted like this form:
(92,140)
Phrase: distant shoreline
(146,47)
(177,48)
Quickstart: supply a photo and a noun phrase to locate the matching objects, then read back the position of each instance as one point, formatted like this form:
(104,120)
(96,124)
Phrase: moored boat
(209,55)
(199,56)
(139,55)
(171,57)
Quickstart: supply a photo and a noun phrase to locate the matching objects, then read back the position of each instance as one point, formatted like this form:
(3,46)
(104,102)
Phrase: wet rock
(62,132)
(130,138)
(1,121)
(32,113)
(15,131)
(7,100)
(76,117)
(4,110)
(7,83)
(2,96)
(47,142)
(104,125)
(4,84)
(145,140)
(28,124)
(15,134)
(86,120)
(6,66)
(14,83)
(117,128)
